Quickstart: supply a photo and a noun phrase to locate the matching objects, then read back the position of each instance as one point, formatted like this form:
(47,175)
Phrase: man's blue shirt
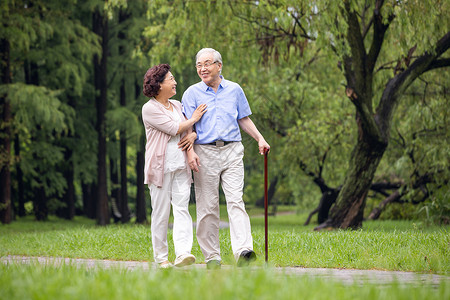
(225,108)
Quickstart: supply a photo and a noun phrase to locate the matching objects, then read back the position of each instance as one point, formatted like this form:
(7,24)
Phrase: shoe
(213,264)
(246,257)
(184,260)
(165,265)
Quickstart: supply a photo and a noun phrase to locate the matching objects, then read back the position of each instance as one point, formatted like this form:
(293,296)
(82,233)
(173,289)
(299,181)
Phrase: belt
(219,143)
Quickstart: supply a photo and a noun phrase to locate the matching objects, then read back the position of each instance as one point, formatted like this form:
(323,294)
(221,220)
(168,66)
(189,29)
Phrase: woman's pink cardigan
(159,128)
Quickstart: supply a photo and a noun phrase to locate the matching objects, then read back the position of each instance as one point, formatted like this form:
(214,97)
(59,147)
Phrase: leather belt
(219,143)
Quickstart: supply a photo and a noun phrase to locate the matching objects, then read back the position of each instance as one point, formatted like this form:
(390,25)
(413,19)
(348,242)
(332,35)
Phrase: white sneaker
(165,265)
(184,260)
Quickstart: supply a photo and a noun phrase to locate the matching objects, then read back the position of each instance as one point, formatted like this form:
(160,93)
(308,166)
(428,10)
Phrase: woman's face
(168,86)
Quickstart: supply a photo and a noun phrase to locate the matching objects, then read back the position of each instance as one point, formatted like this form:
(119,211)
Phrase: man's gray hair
(215,53)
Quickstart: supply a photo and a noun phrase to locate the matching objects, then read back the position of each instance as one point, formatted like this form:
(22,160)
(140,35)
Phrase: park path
(346,276)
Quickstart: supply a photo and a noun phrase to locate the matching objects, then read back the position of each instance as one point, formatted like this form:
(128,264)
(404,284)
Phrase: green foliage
(50,119)
(48,111)
(437,209)
(286,55)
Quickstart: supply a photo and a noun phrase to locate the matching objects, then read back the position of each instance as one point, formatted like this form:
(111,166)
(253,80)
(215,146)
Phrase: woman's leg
(160,201)
(182,224)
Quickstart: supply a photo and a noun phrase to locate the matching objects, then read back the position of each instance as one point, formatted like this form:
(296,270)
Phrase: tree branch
(379,30)
(356,43)
(400,82)
(439,63)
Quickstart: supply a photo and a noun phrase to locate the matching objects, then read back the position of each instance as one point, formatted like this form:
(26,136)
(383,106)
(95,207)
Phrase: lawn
(382,245)
(70,282)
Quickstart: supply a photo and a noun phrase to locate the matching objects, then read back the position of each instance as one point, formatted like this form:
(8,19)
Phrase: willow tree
(367,28)
(382,47)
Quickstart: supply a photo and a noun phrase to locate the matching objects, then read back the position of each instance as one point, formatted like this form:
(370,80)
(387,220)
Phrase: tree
(373,125)
(100,27)
(418,150)
(5,135)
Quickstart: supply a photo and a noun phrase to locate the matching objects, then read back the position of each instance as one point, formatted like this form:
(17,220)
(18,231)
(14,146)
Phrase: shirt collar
(222,84)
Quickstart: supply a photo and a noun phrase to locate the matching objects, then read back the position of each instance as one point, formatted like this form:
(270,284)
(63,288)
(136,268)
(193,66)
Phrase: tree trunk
(5,136)
(328,198)
(348,211)
(115,190)
(40,198)
(100,27)
(124,210)
(19,178)
(89,203)
(141,213)
(40,204)
(68,211)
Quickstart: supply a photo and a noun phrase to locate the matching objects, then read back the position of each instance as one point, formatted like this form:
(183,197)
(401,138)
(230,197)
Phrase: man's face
(208,69)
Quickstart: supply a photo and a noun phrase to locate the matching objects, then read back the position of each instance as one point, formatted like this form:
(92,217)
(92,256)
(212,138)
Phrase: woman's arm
(198,113)
(154,117)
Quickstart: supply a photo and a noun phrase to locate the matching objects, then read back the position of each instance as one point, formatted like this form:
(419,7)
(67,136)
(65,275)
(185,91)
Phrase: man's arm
(249,127)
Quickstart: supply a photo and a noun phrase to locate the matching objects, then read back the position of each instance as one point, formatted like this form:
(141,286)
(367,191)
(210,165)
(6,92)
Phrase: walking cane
(266,204)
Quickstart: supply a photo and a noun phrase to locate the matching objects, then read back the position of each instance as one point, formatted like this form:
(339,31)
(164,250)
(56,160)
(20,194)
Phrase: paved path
(347,276)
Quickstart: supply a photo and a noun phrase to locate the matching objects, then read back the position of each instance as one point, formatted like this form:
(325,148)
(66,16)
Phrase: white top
(174,158)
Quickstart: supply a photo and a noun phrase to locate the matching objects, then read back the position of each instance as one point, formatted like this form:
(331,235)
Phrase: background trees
(299,62)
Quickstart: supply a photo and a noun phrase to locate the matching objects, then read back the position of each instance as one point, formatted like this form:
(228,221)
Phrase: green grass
(385,245)
(70,282)
(382,245)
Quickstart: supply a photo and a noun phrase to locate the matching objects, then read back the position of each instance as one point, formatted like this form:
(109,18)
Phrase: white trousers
(176,191)
(221,165)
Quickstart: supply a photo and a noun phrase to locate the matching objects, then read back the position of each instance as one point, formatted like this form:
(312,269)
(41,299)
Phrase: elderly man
(218,158)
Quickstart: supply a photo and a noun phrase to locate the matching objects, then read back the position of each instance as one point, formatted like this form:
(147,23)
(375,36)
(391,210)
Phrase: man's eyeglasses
(206,65)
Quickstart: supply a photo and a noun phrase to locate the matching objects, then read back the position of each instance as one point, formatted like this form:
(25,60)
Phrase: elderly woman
(166,170)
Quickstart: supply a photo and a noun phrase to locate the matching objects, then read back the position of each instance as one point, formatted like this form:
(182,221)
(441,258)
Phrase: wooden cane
(266,204)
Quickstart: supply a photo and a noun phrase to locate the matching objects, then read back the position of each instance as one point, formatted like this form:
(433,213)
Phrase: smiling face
(208,69)
(168,86)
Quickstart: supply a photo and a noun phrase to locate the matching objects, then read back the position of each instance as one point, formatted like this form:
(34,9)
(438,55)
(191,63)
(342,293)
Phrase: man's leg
(233,185)
(206,183)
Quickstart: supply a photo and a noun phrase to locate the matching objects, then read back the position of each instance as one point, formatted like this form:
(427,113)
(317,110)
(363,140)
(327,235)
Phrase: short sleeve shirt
(225,108)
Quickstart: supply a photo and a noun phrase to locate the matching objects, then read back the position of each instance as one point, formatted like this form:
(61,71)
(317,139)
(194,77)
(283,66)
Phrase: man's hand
(193,160)
(263,146)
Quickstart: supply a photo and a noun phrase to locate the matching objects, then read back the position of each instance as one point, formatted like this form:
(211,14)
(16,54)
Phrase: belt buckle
(220,143)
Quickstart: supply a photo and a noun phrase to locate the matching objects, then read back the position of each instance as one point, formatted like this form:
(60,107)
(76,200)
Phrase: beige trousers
(221,165)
